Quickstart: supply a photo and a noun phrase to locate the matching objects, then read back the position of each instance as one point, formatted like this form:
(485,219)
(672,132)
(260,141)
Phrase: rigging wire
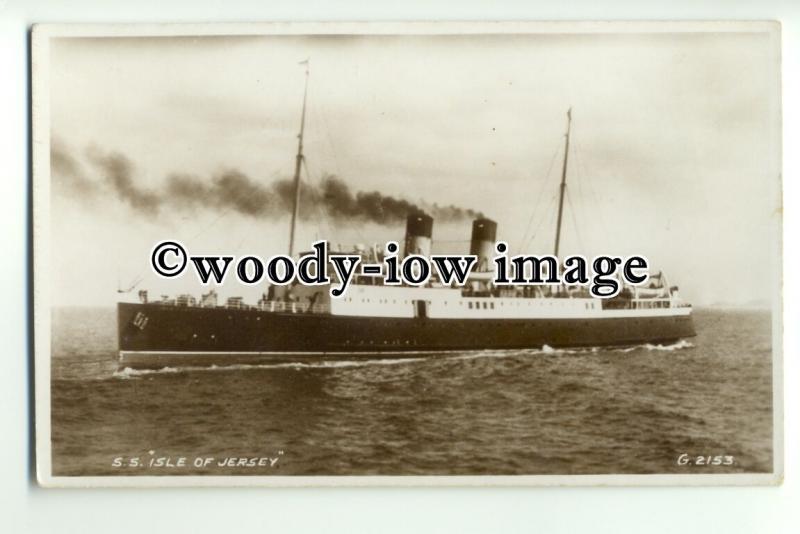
(140,276)
(575,221)
(321,219)
(211,224)
(322,211)
(604,226)
(541,193)
(548,211)
(324,114)
(347,223)
(580,177)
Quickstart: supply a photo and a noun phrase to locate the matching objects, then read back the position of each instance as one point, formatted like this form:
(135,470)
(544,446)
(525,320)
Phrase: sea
(703,405)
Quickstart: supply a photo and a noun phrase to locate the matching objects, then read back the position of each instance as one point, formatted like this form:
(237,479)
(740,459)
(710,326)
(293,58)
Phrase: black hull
(154,335)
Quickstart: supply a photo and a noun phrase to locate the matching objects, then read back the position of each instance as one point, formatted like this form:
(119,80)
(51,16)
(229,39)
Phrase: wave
(129,373)
(550,351)
(679,345)
(682,344)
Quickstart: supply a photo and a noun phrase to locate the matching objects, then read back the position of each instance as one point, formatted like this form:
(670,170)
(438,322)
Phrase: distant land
(757,304)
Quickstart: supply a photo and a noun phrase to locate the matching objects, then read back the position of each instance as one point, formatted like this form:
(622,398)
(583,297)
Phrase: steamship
(372,320)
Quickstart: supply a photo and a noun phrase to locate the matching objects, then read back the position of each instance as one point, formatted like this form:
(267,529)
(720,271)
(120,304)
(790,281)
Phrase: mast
(563,182)
(297,164)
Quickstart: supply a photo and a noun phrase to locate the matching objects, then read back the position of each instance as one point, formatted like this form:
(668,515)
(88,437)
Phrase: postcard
(502,253)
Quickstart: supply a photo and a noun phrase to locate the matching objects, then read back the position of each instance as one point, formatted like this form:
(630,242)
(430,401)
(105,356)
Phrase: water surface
(602,411)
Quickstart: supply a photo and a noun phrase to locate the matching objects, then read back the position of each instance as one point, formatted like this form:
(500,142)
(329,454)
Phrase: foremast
(298,164)
(563,188)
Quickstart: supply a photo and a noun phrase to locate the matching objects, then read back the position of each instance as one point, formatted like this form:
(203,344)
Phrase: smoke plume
(67,174)
(117,171)
(234,191)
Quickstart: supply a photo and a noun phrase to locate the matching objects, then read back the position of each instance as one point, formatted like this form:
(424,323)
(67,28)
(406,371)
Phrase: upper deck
(449,303)
(452,303)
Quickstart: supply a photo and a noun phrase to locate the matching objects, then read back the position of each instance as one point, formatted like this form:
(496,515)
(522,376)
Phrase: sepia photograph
(408,254)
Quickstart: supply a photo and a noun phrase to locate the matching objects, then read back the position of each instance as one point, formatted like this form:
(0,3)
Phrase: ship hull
(155,336)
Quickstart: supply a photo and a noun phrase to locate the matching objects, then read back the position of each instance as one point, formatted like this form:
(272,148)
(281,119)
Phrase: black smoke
(117,171)
(67,174)
(234,191)
(231,190)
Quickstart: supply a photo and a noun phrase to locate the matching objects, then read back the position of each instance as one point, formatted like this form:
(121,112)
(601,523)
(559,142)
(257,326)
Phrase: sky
(675,149)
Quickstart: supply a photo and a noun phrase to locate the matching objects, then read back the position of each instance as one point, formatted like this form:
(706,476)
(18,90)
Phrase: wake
(129,373)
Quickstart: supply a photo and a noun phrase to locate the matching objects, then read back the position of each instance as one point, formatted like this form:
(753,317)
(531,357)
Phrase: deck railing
(642,304)
(305,307)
